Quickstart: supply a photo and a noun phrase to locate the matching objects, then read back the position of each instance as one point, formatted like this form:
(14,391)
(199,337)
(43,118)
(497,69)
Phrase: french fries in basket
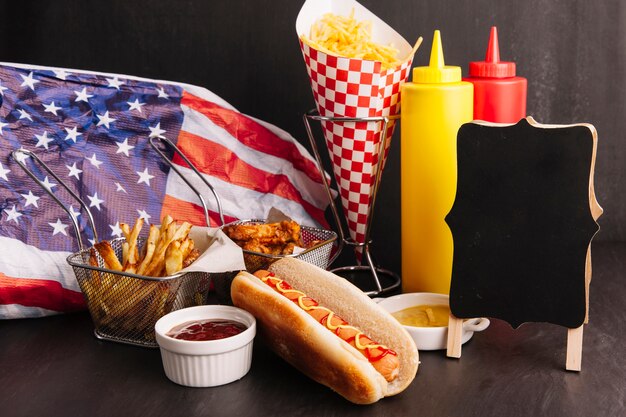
(131,304)
(164,252)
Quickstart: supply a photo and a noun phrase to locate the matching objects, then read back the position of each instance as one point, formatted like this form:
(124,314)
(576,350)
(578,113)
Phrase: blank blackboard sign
(522,222)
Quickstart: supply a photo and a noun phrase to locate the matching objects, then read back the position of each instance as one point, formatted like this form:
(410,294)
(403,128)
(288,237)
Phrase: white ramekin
(430,338)
(207,363)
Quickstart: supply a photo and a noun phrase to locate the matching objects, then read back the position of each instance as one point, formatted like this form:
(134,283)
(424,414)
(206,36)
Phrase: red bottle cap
(492,66)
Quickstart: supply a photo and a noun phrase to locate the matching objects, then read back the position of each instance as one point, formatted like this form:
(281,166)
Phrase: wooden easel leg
(455,337)
(574,349)
(587,282)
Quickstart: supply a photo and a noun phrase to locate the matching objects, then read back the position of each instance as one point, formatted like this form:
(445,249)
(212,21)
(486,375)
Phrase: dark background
(572,52)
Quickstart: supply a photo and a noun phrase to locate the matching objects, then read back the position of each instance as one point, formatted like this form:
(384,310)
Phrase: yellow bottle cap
(437,71)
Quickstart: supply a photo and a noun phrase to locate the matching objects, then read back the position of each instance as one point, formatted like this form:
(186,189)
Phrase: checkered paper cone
(349,87)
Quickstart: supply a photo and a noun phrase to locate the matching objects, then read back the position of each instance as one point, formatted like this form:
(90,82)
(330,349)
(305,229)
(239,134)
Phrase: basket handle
(194,169)
(15,154)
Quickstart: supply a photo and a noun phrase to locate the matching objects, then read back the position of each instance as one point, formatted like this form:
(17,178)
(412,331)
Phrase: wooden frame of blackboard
(574,335)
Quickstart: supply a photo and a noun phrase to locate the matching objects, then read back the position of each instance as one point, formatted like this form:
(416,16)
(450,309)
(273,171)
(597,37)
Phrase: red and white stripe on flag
(252,165)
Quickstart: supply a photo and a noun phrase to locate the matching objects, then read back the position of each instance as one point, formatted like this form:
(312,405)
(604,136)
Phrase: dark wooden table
(56,367)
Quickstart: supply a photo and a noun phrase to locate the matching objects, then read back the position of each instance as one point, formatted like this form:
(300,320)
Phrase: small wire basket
(319,244)
(321,250)
(124,307)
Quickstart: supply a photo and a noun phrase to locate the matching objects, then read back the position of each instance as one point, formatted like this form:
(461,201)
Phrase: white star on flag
(13,214)
(105,120)
(119,187)
(162,93)
(144,177)
(72,134)
(48,184)
(3,172)
(2,88)
(51,108)
(62,74)
(124,147)
(29,81)
(114,82)
(43,140)
(144,215)
(135,105)
(82,95)
(74,171)
(74,213)
(59,227)
(2,125)
(94,161)
(31,199)
(24,115)
(156,131)
(94,200)
(116,230)
(21,156)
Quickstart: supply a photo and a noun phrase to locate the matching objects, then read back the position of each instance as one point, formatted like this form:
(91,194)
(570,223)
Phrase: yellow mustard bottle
(434,105)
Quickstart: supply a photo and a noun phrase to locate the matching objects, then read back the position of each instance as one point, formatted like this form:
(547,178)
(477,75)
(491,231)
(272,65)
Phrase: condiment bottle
(434,105)
(499,95)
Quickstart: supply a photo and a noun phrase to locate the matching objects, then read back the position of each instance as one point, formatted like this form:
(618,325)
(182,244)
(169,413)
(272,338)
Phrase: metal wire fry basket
(321,250)
(124,307)
(319,244)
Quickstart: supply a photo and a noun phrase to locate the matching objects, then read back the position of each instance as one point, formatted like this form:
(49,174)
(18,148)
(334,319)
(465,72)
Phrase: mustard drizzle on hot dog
(278,283)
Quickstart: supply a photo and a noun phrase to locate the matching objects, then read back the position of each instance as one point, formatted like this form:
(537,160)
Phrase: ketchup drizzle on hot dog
(307,303)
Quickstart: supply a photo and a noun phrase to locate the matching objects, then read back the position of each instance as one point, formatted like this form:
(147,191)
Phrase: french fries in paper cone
(354,87)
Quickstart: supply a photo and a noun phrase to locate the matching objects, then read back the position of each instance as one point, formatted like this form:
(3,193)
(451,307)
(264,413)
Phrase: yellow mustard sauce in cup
(424,316)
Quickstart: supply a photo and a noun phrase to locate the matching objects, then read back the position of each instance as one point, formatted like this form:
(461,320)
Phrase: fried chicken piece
(271,238)
(285,231)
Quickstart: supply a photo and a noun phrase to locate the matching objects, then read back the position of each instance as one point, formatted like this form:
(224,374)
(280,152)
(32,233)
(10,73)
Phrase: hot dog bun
(310,346)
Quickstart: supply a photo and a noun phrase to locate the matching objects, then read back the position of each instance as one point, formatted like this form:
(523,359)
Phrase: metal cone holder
(392,280)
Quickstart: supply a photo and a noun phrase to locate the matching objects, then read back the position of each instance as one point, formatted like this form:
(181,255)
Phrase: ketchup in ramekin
(203,330)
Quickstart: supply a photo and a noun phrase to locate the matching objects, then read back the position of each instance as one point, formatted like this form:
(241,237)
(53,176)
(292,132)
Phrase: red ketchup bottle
(499,95)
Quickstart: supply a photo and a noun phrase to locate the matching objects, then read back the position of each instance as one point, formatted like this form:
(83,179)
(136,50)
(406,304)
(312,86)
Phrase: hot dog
(328,329)
(384,360)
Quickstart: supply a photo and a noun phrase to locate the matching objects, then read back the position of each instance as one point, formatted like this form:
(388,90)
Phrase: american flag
(93,131)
